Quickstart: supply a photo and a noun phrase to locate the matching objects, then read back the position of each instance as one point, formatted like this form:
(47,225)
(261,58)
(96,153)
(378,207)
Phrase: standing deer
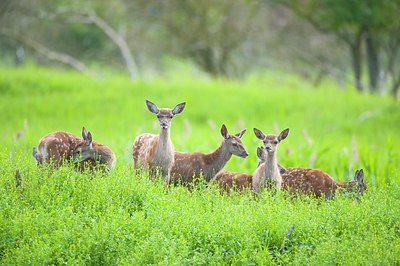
(191,165)
(90,154)
(239,181)
(156,152)
(318,183)
(55,148)
(269,174)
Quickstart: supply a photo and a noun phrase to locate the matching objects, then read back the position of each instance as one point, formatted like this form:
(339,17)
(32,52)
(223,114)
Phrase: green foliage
(67,217)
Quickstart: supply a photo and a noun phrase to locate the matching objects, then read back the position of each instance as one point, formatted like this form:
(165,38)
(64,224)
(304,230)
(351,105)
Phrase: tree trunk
(355,50)
(396,87)
(373,64)
(392,52)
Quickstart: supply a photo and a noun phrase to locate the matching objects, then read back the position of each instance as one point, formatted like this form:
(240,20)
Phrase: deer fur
(90,155)
(269,174)
(156,152)
(55,148)
(238,181)
(318,183)
(192,165)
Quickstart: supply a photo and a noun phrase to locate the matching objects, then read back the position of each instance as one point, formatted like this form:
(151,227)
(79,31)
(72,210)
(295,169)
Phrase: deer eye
(158,116)
(234,144)
(171,116)
(275,142)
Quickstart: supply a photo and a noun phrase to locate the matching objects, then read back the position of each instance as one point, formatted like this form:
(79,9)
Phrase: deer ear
(240,134)
(152,107)
(224,131)
(84,133)
(283,134)
(356,176)
(89,138)
(259,153)
(178,108)
(259,134)
(360,176)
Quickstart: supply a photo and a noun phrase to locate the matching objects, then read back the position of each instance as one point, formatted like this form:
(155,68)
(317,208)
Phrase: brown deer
(55,148)
(303,180)
(238,181)
(156,152)
(91,155)
(191,165)
(269,173)
(318,183)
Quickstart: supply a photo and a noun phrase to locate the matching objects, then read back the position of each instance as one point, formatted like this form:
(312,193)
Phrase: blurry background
(327,69)
(353,42)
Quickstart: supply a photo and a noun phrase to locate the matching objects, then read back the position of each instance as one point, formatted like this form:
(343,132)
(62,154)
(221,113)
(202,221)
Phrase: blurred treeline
(355,42)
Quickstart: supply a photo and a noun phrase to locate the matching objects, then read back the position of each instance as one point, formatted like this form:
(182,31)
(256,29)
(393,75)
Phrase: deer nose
(164,124)
(268,148)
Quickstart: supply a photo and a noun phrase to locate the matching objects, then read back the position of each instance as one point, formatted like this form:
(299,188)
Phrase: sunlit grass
(64,216)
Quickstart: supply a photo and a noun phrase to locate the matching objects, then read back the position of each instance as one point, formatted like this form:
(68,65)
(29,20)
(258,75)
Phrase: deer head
(360,182)
(234,143)
(165,115)
(84,150)
(261,155)
(271,141)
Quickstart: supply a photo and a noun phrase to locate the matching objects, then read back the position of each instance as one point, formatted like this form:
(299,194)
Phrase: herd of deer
(156,154)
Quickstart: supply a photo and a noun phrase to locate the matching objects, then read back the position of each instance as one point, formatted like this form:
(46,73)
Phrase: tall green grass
(64,216)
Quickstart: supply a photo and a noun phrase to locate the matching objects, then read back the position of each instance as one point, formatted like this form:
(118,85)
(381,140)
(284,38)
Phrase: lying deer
(318,183)
(189,166)
(269,174)
(239,181)
(156,152)
(55,148)
(91,155)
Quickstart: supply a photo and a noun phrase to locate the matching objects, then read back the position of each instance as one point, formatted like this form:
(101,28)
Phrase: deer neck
(164,141)
(272,173)
(347,185)
(215,161)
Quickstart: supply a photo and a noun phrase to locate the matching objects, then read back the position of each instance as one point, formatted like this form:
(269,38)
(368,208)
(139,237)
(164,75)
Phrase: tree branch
(44,51)
(90,16)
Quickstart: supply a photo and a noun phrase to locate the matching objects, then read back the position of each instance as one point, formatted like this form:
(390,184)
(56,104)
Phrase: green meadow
(68,217)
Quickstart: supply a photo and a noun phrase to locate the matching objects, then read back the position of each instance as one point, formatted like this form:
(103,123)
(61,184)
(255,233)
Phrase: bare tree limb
(44,51)
(90,16)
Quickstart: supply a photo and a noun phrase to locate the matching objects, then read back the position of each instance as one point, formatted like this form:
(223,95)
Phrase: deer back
(56,147)
(309,181)
(228,180)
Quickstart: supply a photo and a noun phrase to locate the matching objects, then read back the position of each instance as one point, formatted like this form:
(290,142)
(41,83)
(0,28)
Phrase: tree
(354,23)
(208,32)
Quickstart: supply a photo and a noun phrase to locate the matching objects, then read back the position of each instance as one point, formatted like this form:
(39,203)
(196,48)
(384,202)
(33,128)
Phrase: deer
(192,165)
(268,173)
(304,180)
(91,155)
(56,148)
(156,152)
(238,181)
(318,183)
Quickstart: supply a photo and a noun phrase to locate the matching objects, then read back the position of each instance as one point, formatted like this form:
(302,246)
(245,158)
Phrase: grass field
(67,217)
